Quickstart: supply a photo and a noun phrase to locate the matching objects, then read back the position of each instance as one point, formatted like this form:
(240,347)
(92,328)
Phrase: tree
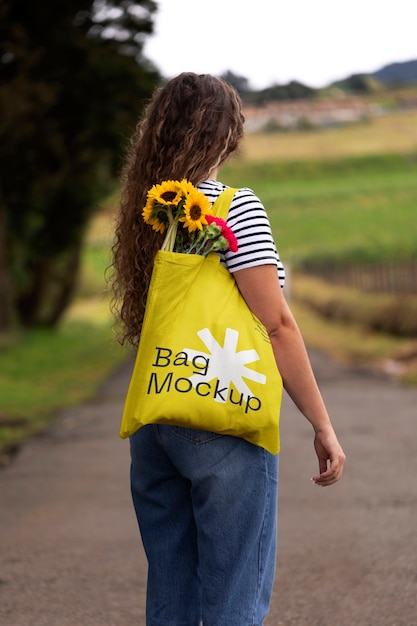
(72,82)
(359,84)
(240,83)
(291,91)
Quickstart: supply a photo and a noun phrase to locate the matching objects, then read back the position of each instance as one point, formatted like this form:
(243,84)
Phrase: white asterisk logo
(225,363)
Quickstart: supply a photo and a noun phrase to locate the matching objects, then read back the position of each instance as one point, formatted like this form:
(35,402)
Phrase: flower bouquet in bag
(184,213)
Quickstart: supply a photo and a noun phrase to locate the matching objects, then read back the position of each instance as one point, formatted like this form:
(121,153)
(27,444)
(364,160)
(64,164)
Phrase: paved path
(69,548)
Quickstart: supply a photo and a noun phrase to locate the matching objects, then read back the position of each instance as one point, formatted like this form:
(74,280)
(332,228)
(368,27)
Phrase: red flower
(227,232)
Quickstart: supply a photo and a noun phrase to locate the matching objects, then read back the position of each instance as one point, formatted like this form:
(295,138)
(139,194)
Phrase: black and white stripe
(249,221)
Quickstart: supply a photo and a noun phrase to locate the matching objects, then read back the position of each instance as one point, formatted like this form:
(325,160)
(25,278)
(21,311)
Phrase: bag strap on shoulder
(221,206)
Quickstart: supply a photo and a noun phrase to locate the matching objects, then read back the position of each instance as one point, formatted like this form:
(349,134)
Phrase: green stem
(169,240)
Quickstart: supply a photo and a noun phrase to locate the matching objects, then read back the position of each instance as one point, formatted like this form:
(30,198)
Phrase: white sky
(271,41)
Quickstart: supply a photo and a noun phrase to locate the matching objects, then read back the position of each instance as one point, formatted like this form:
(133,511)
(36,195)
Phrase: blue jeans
(207,510)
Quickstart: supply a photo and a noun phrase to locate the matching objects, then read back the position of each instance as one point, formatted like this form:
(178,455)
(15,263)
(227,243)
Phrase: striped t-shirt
(250,224)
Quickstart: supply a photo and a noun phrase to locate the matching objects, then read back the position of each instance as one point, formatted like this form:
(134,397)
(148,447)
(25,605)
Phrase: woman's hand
(331,458)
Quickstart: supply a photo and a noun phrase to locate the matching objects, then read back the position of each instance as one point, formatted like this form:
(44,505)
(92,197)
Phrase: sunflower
(148,212)
(186,186)
(196,207)
(167,193)
(153,216)
(158,225)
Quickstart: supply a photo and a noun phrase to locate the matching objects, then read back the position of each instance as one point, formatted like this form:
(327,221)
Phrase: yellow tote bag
(204,360)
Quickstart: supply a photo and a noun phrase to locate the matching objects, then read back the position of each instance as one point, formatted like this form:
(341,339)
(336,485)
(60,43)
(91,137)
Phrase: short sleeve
(249,221)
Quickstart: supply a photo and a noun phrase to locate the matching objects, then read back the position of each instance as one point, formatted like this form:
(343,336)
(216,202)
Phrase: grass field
(394,133)
(340,195)
(343,210)
(43,371)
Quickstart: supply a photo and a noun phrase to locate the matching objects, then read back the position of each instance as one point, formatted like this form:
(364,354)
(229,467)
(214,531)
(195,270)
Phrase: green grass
(344,211)
(43,371)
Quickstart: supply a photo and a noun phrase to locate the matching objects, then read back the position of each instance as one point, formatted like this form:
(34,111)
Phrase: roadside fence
(393,278)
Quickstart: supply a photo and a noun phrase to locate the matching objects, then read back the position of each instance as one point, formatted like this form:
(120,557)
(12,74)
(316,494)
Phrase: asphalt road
(70,553)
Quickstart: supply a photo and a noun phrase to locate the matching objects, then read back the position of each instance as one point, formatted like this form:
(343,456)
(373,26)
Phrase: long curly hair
(190,127)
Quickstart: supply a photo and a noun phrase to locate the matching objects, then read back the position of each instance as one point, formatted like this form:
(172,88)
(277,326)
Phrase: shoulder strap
(221,206)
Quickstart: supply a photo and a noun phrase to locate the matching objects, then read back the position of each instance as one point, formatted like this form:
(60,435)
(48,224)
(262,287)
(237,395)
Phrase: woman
(207,504)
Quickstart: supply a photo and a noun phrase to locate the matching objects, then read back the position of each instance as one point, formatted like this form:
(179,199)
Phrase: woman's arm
(260,288)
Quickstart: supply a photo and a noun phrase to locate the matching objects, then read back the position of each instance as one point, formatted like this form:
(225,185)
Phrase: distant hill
(398,73)
(392,75)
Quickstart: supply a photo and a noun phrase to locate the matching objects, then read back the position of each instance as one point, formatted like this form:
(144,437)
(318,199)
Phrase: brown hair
(190,127)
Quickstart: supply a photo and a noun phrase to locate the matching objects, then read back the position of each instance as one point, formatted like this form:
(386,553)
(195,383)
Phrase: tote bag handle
(222,205)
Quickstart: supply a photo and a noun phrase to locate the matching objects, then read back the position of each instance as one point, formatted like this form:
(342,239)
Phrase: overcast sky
(270,41)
